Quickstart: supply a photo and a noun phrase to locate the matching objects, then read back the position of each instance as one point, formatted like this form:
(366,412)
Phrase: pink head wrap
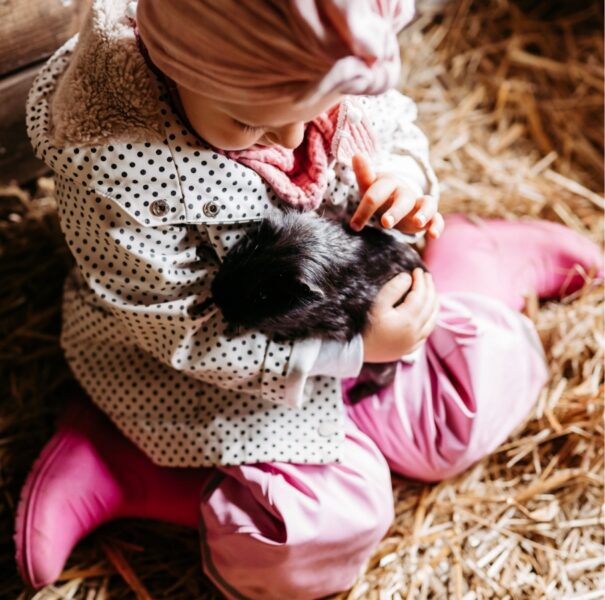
(257,50)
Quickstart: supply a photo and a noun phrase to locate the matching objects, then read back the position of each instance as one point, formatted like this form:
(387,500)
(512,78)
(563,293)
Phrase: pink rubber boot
(506,259)
(88,474)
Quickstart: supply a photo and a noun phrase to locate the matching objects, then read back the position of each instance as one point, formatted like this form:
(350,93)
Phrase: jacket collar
(107,92)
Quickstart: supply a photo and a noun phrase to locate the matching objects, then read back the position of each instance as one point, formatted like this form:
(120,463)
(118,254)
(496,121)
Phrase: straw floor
(511,95)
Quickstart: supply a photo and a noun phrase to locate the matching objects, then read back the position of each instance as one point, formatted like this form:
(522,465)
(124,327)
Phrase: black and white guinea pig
(299,275)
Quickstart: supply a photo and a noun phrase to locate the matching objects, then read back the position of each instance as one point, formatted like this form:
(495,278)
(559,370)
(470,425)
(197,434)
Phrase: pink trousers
(280,530)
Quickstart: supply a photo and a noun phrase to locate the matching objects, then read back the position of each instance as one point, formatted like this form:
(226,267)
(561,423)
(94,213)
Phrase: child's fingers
(377,195)
(410,223)
(430,299)
(363,172)
(402,206)
(430,324)
(436,227)
(392,291)
(426,319)
(414,301)
(426,211)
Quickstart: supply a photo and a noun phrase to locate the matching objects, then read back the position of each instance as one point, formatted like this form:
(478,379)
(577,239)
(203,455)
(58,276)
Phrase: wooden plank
(17,160)
(31,30)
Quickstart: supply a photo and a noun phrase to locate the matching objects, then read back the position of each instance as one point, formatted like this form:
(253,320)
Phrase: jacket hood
(107,91)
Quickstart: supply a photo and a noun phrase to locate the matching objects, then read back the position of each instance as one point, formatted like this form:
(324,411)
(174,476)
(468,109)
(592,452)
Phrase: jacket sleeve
(403,148)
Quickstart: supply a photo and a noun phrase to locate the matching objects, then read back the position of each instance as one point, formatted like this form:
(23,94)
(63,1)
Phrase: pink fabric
(299,176)
(478,376)
(482,368)
(307,529)
(507,259)
(268,530)
(275,531)
(258,50)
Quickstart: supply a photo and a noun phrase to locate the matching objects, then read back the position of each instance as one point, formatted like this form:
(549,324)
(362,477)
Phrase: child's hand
(401,205)
(398,330)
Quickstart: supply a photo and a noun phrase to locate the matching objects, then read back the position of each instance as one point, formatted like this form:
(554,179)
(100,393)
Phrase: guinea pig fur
(298,275)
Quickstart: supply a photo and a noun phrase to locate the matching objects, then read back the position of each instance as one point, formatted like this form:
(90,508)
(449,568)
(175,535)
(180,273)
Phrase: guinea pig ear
(310,290)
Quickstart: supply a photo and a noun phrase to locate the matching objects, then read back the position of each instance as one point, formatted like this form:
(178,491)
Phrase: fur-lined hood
(107,92)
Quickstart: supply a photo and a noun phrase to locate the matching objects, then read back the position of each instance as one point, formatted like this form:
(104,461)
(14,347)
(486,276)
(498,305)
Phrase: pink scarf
(299,176)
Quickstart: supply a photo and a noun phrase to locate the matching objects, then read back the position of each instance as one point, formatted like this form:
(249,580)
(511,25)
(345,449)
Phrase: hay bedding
(511,95)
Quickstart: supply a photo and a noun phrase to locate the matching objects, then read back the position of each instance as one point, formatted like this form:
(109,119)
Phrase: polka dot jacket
(149,211)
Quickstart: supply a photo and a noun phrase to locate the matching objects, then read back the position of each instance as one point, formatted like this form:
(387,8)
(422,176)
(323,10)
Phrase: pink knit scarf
(299,176)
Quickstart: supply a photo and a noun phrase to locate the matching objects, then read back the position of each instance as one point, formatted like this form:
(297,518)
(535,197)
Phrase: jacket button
(159,208)
(328,428)
(211,209)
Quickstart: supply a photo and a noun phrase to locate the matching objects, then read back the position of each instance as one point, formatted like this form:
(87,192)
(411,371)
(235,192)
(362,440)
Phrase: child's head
(254,71)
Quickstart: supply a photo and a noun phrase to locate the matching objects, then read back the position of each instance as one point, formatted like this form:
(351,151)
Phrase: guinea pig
(298,275)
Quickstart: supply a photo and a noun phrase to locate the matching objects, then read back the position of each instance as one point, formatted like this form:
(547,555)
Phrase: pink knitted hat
(257,50)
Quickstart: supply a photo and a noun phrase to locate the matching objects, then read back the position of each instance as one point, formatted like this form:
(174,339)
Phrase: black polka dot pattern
(148,224)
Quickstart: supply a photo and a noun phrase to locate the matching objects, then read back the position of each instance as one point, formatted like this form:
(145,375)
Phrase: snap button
(159,208)
(211,209)
(354,115)
(328,428)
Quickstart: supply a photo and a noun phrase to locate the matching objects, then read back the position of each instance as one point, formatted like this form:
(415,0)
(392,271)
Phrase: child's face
(230,126)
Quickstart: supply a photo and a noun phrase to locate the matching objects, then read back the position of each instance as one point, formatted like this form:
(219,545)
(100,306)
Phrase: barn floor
(511,96)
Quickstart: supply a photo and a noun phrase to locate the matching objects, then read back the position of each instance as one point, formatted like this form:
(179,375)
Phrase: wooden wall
(30,31)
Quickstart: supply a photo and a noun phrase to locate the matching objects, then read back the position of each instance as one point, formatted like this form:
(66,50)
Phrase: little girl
(171,127)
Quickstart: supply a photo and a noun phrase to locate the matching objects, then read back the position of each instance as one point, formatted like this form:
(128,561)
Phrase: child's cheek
(233,138)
